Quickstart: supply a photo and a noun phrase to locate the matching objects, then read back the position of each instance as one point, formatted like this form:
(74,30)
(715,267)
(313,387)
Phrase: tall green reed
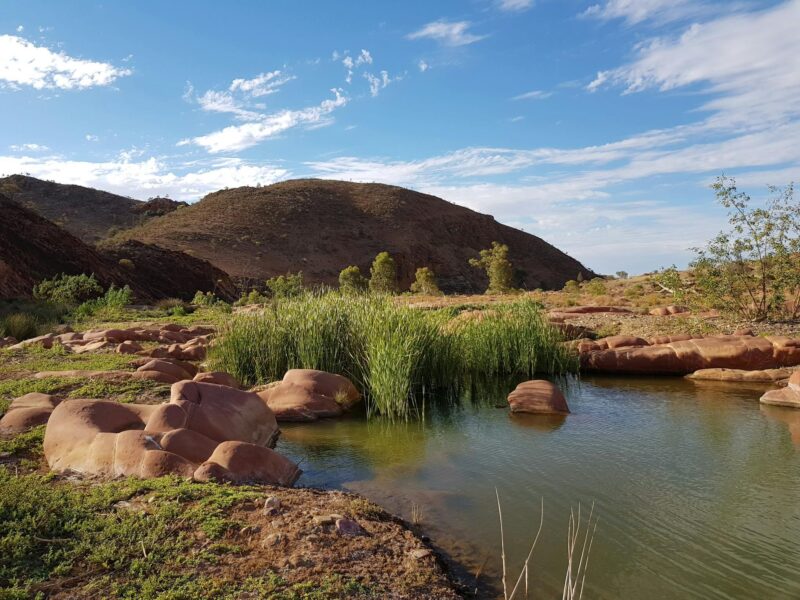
(394,353)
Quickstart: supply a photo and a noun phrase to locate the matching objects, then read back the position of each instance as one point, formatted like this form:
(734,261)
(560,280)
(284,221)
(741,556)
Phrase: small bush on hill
(498,268)
(351,281)
(251,297)
(383,275)
(572,287)
(596,287)
(175,307)
(205,299)
(113,301)
(20,326)
(127,263)
(425,283)
(286,286)
(68,289)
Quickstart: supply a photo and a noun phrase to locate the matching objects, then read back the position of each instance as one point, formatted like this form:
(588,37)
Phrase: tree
(286,286)
(621,274)
(753,269)
(425,283)
(383,275)
(497,266)
(71,290)
(351,281)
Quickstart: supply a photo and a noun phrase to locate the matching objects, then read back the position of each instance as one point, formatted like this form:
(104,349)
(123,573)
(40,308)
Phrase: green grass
(36,358)
(394,353)
(52,533)
(27,444)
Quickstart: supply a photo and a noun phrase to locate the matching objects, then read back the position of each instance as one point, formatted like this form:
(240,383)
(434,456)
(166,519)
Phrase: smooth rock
(537,396)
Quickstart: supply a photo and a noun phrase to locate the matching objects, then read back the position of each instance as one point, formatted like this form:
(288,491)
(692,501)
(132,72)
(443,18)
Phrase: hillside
(321,226)
(87,213)
(33,248)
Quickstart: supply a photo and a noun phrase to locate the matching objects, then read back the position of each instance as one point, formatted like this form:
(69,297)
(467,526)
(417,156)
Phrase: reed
(394,353)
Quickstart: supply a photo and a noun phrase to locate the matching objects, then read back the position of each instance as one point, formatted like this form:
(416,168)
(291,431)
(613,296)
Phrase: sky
(597,125)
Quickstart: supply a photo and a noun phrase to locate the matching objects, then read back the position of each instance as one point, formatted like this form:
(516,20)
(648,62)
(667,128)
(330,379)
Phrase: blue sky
(597,125)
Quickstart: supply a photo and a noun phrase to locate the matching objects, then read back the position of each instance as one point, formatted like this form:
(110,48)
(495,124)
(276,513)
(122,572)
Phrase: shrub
(127,263)
(113,301)
(752,270)
(634,291)
(251,297)
(383,274)
(669,280)
(425,283)
(68,289)
(205,299)
(20,326)
(596,287)
(572,287)
(286,286)
(175,307)
(351,281)
(498,268)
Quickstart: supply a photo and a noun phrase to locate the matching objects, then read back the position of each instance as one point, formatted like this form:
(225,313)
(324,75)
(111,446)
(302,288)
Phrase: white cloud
(20,28)
(28,148)
(533,95)
(351,64)
(448,33)
(239,137)
(148,177)
(92,138)
(750,63)
(377,83)
(637,11)
(224,102)
(261,85)
(22,63)
(514,5)
(423,66)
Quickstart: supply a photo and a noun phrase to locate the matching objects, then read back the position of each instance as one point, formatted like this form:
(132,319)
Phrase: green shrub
(351,281)
(20,326)
(205,299)
(286,286)
(68,289)
(127,263)
(383,275)
(392,352)
(596,287)
(494,261)
(113,301)
(175,307)
(425,283)
(251,297)
(572,287)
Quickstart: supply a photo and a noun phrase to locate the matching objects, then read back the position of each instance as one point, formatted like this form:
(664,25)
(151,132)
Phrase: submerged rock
(538,396)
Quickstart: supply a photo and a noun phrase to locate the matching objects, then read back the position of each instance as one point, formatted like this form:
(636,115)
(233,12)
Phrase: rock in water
(538,396)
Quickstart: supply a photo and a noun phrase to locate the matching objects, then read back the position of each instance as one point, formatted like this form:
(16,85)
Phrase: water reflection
(696,487)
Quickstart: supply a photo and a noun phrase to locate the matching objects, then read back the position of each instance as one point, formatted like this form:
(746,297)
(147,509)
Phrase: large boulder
(308,395)
(739,375)
(27,411)
(206,431)
(538,396)
(687,356)
(788,396)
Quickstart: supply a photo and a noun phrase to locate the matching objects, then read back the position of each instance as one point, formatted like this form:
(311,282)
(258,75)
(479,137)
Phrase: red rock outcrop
(206,431)
(739,375)
(788,396)
(687,356)
(27,411)
(538,396)
(308,395)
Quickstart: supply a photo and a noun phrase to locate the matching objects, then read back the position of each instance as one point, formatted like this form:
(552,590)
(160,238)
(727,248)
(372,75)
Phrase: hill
(86,213)
(321,226)
(33,248)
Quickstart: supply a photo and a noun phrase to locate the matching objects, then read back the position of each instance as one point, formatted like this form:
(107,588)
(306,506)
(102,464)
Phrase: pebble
(349,527)
(326,519)
(272,505)
(273,539)
(420,553)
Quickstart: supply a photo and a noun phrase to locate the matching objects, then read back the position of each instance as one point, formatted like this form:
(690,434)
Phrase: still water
(696,486)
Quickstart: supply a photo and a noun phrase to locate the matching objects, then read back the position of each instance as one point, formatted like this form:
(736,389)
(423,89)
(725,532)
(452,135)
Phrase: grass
(161,538)
(393,352)
(36,358)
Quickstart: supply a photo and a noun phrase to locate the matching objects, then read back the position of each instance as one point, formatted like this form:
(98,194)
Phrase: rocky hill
(321,226)
(87,213)
(33,248)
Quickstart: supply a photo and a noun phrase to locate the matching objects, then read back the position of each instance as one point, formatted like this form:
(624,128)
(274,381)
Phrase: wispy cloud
(423,66)
(28,148)
(148,177)
(659,11)
(242,96)
(514,5)
(23,63)
(448,33)
(533,95)
(239,137)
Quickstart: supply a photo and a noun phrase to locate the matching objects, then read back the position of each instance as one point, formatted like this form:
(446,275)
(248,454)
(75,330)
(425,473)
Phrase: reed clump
(394,353)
